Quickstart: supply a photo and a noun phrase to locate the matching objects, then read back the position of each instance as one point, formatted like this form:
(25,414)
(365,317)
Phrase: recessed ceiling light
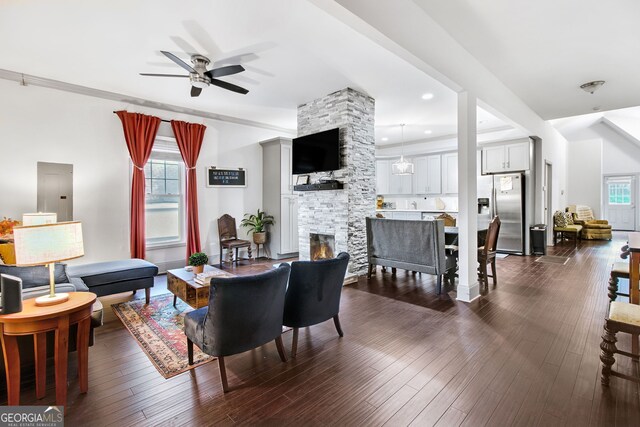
(428,132)
(385,139)
(427,95)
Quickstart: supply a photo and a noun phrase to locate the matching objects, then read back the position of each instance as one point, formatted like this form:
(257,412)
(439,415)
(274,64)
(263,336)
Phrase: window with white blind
(164,198)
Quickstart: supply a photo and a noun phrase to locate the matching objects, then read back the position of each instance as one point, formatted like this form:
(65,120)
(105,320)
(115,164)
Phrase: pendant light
(402,167)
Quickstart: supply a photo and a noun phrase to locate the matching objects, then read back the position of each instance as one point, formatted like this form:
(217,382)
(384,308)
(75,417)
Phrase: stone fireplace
(341,213)
(322,246)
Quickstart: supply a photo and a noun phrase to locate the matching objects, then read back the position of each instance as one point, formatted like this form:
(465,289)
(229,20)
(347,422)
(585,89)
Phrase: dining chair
(244,312)
(228,238)
(313,294)
(487,253)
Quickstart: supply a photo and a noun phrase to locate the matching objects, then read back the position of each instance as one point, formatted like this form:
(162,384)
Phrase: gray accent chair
(244,312)
(413,245)
(313,294)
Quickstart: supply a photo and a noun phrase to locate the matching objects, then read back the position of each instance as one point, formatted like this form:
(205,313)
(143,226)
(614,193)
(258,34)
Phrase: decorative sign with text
(226,177)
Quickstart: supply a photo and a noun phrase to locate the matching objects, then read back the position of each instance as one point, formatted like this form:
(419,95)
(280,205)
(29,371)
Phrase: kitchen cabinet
(400,184)
(289,224)
(428,175)
(387,183)
(450,173)
(383,173)
(278,198)
(506,158)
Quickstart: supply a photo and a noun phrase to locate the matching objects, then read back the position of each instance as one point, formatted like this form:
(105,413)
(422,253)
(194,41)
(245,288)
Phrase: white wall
(39,124)
(585,174)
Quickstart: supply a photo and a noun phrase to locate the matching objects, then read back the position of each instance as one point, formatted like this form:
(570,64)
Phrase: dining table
(451,236)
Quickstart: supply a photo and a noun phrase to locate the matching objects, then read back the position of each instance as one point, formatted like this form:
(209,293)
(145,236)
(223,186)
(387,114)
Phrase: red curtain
(189,137)
(139,133)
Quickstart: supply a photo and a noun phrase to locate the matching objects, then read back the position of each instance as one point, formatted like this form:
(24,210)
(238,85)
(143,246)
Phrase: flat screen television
(318,152)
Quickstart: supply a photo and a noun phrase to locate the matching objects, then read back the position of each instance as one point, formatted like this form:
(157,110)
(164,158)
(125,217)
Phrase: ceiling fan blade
(195,91)
(225,71)
(229,86)
(178,61)
(162,75)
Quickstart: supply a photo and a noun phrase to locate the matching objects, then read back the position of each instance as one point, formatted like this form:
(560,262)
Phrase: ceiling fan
(200,77)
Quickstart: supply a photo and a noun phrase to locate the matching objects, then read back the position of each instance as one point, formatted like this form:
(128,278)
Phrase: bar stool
(618,270)
(623,317)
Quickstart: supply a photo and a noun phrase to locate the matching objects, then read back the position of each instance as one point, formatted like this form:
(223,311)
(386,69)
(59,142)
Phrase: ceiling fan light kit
(200,77)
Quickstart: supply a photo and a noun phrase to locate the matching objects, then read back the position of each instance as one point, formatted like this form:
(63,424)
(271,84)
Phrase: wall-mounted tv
(318,152)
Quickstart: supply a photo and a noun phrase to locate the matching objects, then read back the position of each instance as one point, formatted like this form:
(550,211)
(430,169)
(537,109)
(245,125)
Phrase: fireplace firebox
(322,246)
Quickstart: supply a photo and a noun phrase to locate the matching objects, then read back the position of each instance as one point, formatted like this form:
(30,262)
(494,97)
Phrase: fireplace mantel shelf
(320,186)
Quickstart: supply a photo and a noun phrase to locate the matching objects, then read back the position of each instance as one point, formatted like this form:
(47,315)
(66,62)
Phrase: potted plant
(257,224)
(197,261)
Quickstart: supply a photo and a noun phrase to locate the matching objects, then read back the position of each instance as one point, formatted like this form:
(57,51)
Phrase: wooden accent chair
(245,314)
(619,270)
(487,253)
(563,226)
(449,221)
(623,317)
(228,235)
(313,294)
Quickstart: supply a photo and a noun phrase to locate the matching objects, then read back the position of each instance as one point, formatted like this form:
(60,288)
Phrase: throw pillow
(559,219)
(37,275)
(569,218)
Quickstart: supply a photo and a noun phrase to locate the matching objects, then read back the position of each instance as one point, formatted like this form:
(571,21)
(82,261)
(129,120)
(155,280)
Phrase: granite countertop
(418,210)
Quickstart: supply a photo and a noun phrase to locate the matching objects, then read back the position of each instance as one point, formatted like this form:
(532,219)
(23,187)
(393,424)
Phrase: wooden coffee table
(181,284)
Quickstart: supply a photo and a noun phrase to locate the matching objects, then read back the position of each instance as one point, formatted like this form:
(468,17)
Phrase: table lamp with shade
(47,244)
(39,218)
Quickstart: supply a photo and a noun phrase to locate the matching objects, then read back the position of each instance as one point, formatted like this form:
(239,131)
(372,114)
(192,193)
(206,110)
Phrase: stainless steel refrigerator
(506,195)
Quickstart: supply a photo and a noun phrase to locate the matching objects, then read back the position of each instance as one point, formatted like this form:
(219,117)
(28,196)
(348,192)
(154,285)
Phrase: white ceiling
(544,49)
(293,53)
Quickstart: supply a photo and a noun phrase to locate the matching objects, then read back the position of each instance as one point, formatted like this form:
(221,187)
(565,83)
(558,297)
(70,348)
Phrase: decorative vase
(260,238)
(197,269)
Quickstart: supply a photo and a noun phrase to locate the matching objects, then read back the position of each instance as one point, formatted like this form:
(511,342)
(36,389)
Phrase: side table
(37,321)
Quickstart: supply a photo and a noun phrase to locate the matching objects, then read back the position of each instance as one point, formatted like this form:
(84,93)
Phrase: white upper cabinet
(400,184)
(383,170)
(450,173)
(505,158)
(428,175)
(517,156)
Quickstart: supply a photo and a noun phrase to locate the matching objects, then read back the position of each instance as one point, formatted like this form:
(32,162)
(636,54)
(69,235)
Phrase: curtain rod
(162,120)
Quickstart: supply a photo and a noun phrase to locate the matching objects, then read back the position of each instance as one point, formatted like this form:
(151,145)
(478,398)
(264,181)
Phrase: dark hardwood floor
(525,353)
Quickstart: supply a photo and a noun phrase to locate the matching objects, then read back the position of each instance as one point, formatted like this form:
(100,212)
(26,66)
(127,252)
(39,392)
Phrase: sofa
(413,245)
(112,277)
(592,229)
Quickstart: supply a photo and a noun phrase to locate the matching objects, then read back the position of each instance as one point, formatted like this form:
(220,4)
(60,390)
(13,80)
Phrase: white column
(467,222)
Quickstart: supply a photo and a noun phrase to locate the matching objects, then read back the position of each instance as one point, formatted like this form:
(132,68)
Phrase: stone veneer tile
(341,212)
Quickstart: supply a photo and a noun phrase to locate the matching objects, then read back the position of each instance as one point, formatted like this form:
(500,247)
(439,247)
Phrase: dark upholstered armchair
(313,295)
(244,312)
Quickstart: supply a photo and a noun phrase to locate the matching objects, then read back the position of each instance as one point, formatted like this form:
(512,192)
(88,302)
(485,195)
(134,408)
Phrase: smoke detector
(592,86)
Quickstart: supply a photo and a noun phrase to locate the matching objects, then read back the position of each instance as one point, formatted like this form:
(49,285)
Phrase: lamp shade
(39,218)
(48,243)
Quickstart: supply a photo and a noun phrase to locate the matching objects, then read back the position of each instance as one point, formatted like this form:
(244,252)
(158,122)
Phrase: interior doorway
(55,189)
(620,201)
(548,197)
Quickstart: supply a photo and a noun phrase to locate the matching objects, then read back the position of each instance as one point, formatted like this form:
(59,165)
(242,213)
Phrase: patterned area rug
(158,329)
